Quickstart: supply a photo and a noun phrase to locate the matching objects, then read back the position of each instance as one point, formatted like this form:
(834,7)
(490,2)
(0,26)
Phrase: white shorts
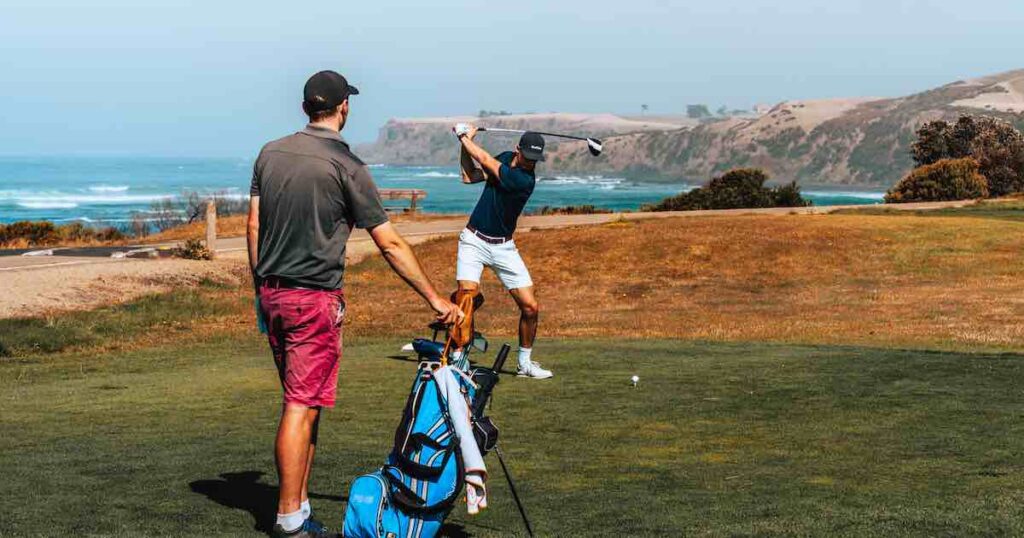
(503,259)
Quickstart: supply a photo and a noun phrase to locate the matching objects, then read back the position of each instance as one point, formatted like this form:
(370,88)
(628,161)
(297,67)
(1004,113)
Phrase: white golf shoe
(533,370)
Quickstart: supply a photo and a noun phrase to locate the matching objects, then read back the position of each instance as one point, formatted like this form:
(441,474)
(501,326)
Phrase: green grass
(986,209)
(717,440)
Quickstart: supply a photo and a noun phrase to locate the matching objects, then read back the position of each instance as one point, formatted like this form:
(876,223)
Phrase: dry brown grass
(235,225)
(884,280)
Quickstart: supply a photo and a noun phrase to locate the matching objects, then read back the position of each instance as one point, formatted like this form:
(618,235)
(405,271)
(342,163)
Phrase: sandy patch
(1006,97)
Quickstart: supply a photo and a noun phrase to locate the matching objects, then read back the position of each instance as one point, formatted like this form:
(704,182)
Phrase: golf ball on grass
(635,379)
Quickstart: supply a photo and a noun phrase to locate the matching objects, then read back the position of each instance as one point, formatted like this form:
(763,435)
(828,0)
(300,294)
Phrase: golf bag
(436,443)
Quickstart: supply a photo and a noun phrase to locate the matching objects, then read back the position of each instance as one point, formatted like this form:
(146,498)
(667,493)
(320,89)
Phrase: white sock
(306,509)
(291,522)
(524,356)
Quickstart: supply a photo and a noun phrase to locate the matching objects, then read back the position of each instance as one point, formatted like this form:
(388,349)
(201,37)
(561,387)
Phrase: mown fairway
(717,440)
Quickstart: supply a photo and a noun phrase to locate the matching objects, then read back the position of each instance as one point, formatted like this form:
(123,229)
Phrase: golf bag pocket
(370,513)
(425,469)
(485,432)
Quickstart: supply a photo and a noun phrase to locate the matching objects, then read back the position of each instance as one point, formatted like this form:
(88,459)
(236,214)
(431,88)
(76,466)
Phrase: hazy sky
(221,78)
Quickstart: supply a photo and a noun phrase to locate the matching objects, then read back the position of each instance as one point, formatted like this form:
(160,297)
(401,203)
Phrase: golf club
(593,144)
(515,494)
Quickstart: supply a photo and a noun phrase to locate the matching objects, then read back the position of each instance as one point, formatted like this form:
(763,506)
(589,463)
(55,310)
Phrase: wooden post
(412,206)
(211,228)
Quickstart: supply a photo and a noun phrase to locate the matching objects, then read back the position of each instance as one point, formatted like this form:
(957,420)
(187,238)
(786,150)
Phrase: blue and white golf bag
(416,489)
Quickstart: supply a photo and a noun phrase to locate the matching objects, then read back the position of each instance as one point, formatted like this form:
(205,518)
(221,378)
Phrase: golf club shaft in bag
(594,145)
(483,395)
(486,383)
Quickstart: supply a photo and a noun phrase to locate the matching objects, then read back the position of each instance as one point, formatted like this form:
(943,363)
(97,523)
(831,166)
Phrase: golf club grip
(499,361)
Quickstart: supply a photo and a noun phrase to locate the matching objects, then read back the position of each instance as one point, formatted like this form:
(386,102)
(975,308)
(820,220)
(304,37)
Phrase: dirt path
(31,286)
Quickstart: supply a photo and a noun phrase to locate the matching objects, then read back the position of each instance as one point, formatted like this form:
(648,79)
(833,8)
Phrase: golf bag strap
(408,499)
(421,471)
(402,494)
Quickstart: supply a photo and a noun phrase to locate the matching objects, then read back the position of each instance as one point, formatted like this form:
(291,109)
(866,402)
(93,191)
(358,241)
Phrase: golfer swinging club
(487,239)
(308,191)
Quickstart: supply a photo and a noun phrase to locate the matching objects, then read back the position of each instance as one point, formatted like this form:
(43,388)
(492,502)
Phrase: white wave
(583,180)
(108,188)
(57,199)
(437,174)
(35,199)
(48,205)
(848,194)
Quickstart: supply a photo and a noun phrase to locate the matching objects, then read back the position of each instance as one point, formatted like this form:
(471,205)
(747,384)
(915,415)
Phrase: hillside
(428,141)
(854,141)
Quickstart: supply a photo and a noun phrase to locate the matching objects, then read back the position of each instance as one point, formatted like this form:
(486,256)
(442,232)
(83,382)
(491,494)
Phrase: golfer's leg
(469,265)
(292,454)
(314,433)
(529,315)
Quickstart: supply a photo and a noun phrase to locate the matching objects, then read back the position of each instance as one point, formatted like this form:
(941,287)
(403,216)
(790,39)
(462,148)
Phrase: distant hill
(855,141)
(429,141)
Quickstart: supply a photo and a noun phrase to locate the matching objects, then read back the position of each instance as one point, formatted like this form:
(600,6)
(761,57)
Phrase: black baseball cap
(326,90)
(531,146)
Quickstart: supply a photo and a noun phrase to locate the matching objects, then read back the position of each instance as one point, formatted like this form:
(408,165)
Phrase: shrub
(45,233)
(193,249)
(586,209)
(948,179)
(742,188)
(997,146)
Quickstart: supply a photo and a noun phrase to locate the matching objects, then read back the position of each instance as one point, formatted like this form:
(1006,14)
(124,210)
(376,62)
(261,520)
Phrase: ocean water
(109,190)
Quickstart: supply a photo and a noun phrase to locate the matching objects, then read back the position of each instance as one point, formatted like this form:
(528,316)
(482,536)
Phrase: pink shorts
(304,330)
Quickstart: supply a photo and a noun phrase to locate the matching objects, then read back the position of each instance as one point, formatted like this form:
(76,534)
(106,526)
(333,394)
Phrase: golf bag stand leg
(515,494)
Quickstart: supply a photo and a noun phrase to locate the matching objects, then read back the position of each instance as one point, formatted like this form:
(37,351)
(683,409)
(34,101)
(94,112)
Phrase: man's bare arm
(471,173)
(399,255)
(253,233)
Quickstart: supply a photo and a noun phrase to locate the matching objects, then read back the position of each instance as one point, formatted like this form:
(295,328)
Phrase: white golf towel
(458,409)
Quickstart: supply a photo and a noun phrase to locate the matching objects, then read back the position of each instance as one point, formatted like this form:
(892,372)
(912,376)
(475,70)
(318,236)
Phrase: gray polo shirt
(312,191)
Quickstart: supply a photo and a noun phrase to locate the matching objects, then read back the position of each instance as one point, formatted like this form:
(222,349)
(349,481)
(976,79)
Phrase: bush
(997,146)
(193,249)
(742,188)
(45,233)
(948,179)
(586,209)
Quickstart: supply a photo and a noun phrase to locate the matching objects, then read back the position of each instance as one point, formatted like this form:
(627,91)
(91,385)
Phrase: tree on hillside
(643,110)
(723,111)
(697,112)
(997,146)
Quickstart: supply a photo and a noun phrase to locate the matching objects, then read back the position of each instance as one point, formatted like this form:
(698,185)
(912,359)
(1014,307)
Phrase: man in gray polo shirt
(308,191)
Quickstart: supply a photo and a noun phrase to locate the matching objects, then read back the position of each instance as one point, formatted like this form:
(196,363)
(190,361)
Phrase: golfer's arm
(480,155)
(470,172)
(399,255)
(252,234)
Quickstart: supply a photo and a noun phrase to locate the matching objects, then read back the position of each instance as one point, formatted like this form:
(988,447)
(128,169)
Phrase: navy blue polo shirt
(500,205)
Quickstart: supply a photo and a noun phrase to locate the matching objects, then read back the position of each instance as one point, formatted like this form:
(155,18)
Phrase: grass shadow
(244,491)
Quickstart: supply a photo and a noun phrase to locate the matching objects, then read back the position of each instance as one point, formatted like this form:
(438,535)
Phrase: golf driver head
(595,147)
